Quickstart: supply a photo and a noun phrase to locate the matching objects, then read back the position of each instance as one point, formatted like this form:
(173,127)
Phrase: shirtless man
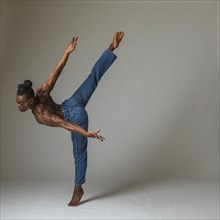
(71,114)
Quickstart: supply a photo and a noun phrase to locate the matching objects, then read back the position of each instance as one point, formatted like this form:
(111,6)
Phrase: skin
(47,112)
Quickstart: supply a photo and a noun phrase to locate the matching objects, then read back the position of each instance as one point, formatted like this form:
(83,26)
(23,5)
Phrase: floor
(161,199)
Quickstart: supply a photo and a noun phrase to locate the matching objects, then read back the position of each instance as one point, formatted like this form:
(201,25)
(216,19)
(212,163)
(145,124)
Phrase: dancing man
(71,114)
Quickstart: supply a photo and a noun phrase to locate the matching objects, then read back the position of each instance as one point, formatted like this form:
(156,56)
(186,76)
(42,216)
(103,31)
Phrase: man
(71,114)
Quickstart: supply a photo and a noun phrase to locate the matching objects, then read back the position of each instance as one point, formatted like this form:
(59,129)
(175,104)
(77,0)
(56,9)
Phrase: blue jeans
(74,111)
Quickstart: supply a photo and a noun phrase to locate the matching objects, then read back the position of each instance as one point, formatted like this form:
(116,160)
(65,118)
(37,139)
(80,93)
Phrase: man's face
(23,103)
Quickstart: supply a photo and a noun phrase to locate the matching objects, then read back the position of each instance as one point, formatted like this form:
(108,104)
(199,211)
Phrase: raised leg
(87,88)
(85,91)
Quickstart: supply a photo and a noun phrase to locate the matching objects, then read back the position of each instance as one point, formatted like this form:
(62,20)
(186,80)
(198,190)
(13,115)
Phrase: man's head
(25,96)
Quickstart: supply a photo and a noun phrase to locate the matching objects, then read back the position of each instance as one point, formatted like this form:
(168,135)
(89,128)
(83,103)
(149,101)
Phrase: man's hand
(96,135)
(72,45)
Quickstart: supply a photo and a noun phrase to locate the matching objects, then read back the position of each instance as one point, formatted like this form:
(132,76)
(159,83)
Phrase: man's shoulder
(43,98)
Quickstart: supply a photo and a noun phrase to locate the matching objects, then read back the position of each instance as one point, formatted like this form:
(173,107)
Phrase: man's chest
(42,113)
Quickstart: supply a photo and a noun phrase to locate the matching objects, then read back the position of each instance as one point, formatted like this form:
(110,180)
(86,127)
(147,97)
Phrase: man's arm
(48,85)
(56,121)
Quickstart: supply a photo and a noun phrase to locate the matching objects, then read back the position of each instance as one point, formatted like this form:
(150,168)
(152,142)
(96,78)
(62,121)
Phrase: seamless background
(157,105)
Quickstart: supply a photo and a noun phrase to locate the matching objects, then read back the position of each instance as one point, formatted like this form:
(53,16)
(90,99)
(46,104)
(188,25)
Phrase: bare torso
(45,108)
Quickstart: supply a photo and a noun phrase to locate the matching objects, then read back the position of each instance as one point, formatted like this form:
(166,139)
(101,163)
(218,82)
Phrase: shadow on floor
(122,188)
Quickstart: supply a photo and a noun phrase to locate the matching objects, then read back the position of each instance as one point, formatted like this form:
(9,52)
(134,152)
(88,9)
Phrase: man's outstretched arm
(56,121)
(49,84)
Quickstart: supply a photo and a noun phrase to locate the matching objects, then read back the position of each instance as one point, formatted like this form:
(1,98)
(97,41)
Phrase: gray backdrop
(157,105)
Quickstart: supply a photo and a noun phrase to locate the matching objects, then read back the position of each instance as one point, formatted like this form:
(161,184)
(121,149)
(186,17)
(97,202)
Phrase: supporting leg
(77,195)
(80,157)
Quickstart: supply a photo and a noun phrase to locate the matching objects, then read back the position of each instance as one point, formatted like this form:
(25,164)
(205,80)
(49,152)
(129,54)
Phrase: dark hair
(26,89)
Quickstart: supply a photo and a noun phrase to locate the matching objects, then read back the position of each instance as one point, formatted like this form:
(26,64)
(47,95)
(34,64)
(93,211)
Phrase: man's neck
(35,103)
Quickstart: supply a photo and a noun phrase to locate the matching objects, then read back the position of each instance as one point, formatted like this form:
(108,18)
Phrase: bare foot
(77,195)
(116,40)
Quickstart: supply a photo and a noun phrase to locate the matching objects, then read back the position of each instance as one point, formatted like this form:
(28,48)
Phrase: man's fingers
(101,138)
(75,38)
(95,134)
(97,131)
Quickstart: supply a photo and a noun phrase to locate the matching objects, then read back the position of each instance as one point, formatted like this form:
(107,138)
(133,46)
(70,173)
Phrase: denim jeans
(74,111)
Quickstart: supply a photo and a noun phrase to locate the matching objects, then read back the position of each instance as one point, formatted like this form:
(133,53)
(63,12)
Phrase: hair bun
(28,83)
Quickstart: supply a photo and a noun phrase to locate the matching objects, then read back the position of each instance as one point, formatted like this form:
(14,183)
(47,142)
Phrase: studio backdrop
(157,105)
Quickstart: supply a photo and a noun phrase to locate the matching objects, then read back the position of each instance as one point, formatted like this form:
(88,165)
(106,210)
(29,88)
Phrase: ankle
(77,187)
(111,47)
